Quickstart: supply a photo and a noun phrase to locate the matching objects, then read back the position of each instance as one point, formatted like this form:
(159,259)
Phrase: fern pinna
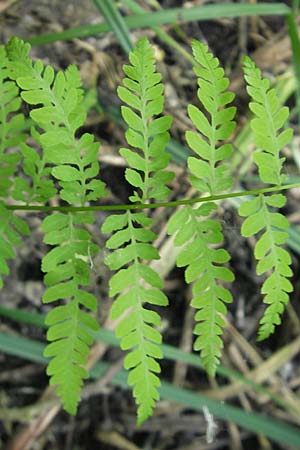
(193,231)
(74,164)
(136,283)
(11,122)
(260,215)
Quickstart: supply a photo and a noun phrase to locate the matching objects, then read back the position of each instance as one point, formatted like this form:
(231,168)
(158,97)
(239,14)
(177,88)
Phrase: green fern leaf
(42,188)
(73,162)
(11,226)
(142,92)
(259,212)
(11,122)
(10,126)
(37,186)
(270,118)
(192,231)
(207,172)
(60,115)
(140,284)
(70,328)
(270,254)
(204,268)
(135,283)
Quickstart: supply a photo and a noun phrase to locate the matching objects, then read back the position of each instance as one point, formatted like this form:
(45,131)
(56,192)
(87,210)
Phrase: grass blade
(114,19)
(295,43)
(169,352)
(277,431)
(196,13)
(274,430)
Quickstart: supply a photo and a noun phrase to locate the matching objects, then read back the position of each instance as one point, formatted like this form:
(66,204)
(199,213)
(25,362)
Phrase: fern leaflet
(142,91)
(67,269)
(136,283)
(11,226)
(74,164)
(136,328)
(194,232)
(11,121)
(37,186)
(10,125)
(270,117)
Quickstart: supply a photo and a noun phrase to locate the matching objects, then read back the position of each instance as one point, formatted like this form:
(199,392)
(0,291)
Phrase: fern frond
(204,268)
(10,125)
(135,283)
(260,213)
(37,186)
(192,231)
(67,270)
(261,218)
(32,164)
(60,116)
(208,174)
(11,226)
(143,93)
(270,118)
(73,162)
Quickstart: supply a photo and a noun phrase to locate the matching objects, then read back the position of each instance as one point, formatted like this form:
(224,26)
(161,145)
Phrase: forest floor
(106,417)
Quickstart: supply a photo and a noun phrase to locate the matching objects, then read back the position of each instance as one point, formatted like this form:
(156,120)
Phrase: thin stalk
(116,22)
(131,206)
(295,7)
(295,43)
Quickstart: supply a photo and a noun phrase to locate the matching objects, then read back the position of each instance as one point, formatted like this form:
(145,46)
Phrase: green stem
(295,44)
(124,207)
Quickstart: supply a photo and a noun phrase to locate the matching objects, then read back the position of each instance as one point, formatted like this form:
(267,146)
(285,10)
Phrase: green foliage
(10,126)
(195,233)
(59,117)
(67,268)
(135,285)
(73,162)
(11,226)
(204,267)
(37,186)
(55,162)
(143,92)
(11,122)
(269,119)
(272,257)
(207,172)
(132,239)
